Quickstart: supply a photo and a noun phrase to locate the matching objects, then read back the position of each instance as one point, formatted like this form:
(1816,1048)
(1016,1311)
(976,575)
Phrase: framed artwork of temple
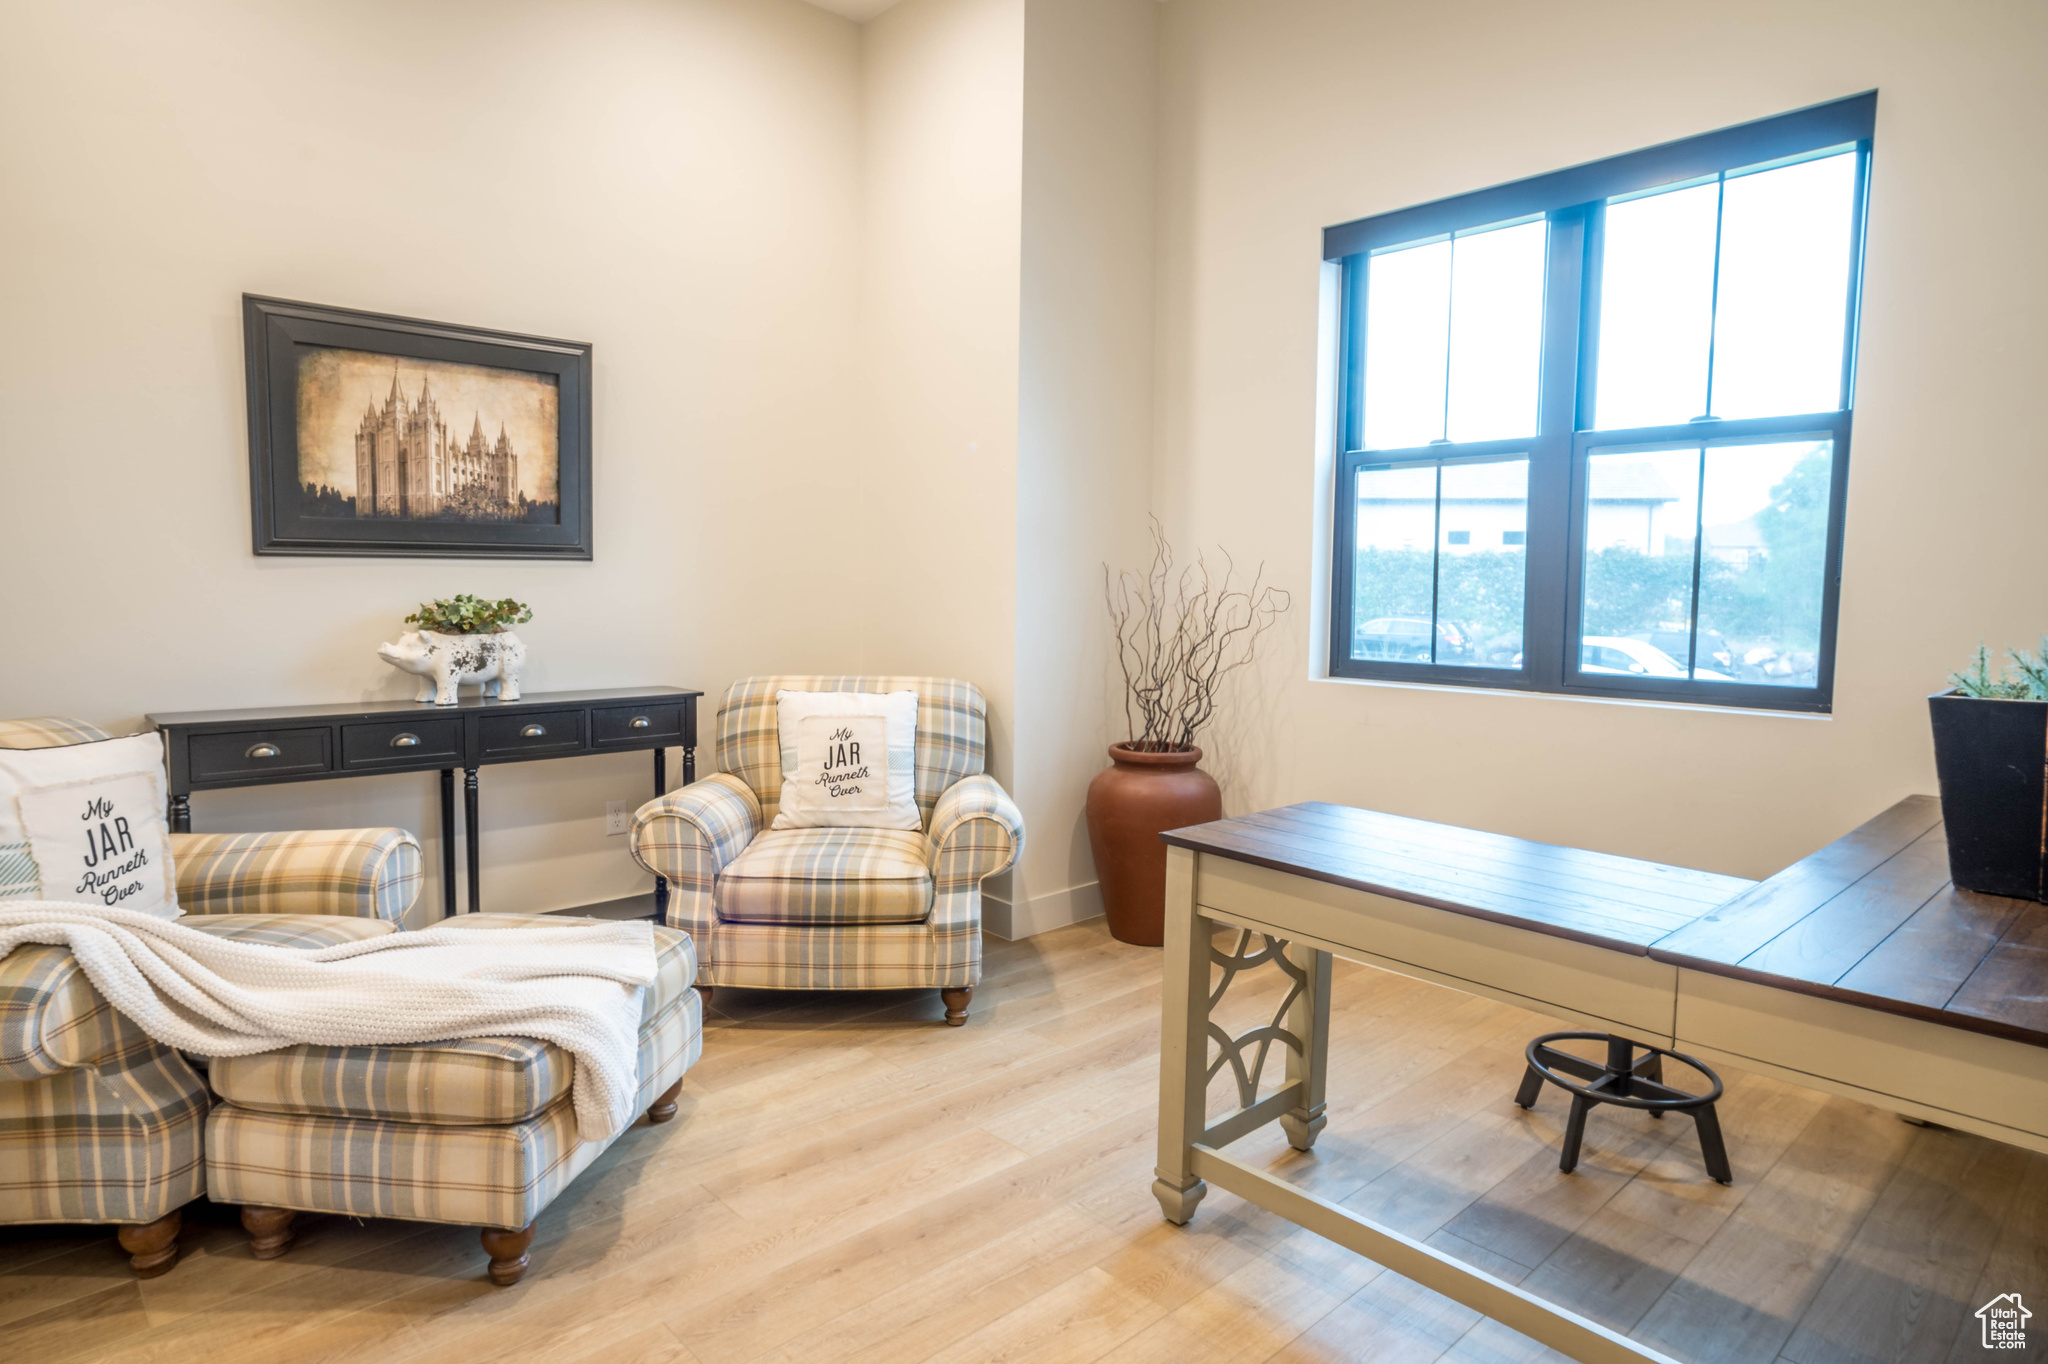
(384,435)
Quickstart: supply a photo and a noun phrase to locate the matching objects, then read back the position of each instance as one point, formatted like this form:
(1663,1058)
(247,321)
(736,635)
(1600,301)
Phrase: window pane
(1496,332)
(1394,582)
(1656,308)
(1480,565)
(1642,514)
(1763,561)
(1784,294)
(1407,327)
(1440,580)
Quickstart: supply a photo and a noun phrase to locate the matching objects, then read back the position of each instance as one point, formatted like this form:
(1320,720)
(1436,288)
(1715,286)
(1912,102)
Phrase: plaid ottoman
(478,1132)
(98,1122)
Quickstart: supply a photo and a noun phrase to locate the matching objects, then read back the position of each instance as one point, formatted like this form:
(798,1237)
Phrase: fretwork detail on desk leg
(1300,1024)
(1230,1050)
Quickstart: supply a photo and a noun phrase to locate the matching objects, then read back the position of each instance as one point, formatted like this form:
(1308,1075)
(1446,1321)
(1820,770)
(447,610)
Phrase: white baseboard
(1041,913)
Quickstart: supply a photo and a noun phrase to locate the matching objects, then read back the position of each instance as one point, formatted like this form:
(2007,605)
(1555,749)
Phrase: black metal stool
(1625,1080)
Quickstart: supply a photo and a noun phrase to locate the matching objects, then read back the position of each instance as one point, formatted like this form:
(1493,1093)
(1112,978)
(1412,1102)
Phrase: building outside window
(1596,424)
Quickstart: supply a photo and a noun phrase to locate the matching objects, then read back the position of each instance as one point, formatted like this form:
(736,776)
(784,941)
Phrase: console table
(1859,970)
(214,750)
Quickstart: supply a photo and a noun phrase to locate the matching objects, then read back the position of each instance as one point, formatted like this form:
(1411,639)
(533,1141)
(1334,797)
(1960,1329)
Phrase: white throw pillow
(85,823)
(849,760)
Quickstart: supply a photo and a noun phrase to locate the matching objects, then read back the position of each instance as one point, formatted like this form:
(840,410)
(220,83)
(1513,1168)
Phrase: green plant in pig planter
(462,640)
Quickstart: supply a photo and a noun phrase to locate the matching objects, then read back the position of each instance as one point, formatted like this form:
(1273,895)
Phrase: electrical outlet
(618,816)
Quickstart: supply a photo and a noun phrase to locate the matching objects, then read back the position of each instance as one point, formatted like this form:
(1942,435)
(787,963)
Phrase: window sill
(1523,693)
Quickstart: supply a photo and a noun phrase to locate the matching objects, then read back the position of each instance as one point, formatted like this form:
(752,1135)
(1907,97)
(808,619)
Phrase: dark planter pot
(1129,805)
(1989,756)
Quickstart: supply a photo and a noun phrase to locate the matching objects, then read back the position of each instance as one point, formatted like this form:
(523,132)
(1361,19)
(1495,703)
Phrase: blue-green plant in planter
(1991,755)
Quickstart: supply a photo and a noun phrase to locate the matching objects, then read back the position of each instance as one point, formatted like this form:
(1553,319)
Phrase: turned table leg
(660,790)
(270,1229)
(152,1246)
(664,1106)
(507,1250)
(956,1005)
(472,842)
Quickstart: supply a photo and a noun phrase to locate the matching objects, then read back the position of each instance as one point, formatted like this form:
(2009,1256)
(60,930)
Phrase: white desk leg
(1183,1044)
(1308,1018)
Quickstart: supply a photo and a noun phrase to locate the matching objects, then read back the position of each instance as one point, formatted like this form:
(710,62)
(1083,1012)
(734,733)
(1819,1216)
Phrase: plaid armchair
(835,909)
(98,1123)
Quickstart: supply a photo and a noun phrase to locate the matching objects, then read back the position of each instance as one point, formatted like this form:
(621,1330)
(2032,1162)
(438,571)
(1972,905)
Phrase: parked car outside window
(1405,639)
(1639,658)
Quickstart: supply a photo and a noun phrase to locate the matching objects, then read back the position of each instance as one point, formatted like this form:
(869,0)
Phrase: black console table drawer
(212,750)
(639,726)
(252,755)
(402,743)
(528,734)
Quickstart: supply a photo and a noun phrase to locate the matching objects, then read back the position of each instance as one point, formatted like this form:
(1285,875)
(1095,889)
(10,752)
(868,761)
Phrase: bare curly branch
(1178,636)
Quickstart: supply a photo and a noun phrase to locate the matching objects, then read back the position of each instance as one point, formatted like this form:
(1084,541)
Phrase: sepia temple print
(407,464)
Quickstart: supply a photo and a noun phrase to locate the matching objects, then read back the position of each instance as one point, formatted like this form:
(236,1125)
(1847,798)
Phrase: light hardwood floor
(849,1181)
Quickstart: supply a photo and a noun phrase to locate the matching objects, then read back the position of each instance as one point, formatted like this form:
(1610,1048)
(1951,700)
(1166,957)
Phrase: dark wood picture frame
(273,332)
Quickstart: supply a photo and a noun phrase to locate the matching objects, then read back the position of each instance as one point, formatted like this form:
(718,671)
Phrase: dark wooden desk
(219,749)
(1859,970)
(1872,920)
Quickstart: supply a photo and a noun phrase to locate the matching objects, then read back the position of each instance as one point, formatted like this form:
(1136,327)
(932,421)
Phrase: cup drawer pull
(262,751)
(533,731)
(641,722)
(405,741)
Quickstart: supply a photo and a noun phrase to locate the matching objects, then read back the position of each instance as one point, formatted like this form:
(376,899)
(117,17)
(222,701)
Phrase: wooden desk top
(1871,919)
(1613,902)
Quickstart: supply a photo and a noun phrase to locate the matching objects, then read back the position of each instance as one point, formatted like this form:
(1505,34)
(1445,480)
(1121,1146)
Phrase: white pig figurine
(445,662)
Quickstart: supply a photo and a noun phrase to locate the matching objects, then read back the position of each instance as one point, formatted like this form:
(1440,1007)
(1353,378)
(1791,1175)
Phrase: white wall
(676,181)
(1085,419)
(1282,117)
(935,473)
(1005,337)
(934,583)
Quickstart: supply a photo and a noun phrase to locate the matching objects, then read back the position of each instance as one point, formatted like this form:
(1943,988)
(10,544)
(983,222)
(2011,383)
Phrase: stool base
(1627,1081)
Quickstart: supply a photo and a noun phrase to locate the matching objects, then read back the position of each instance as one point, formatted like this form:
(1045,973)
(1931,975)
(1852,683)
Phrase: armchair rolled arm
(977,831)
(368,873)
(689,835)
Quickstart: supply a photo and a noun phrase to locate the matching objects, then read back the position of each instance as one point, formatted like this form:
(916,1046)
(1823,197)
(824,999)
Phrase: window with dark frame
(1595,425)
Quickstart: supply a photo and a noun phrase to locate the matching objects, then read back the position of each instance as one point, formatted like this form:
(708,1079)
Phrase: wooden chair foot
(664,1106)
(507,1250)
(704,993)
(270,1230)
(956,1005)
(152,1246)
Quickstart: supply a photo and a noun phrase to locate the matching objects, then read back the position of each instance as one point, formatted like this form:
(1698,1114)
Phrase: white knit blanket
(578,986)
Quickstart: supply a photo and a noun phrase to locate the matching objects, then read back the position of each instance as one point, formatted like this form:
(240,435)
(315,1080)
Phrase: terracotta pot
(1129,806)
